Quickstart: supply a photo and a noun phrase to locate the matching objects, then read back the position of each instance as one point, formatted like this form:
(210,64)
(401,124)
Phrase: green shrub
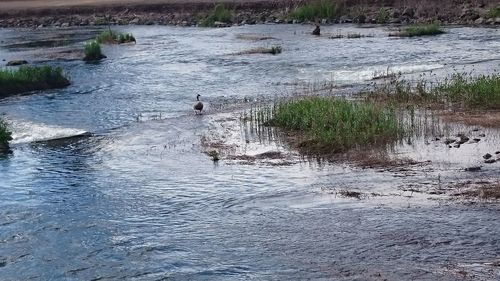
(219,14)
(28,78)
(314,11)
(338,124)
(494,12)
(93,51)
(382,16)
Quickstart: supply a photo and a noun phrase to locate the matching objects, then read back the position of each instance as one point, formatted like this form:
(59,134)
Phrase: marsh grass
(334,125)
(315,11)
(419,30)
(219,14)
(113,37)
(460,90)
(93,51)
(29,78)
(5,134)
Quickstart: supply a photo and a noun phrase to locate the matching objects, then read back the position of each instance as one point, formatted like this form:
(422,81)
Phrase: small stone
(135,21)
(473,169)
(490,161)
(487,156)
(498,152)
(457,145)
(479,21)
(65,24)
(476,140)
(482,135)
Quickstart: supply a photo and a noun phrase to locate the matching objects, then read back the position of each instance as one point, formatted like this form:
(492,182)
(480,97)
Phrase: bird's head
(198,97)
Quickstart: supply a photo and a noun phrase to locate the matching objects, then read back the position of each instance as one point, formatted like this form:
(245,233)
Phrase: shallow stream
(139,200)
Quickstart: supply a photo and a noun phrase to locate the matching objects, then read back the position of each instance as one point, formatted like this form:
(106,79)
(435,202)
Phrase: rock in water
(317,31)
(16,62)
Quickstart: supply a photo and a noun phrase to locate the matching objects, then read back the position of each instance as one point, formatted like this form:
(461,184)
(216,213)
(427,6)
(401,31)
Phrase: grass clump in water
(420,30)
(336,125)
(93,51)
(461,90)
(113,37)
(219,14)
(29,78)
(314,11)
(473,92)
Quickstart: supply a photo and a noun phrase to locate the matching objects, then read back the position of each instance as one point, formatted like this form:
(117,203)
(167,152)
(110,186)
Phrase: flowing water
(139,200)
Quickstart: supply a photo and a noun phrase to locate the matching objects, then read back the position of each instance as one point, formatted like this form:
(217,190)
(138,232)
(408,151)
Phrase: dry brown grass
(478,190)
(490,119)
(254,37)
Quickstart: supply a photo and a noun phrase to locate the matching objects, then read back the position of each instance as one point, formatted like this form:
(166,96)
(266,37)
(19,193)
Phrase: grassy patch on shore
(113,37)
(219,14)
(460,90)
(93,51)
(5,134)
(334,125)
(28,78)
(419,30)
(315,11)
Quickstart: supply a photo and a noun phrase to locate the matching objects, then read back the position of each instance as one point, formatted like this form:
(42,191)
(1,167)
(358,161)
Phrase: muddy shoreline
(171,12)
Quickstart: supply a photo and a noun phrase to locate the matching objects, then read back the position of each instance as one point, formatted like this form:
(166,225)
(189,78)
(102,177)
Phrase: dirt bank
(61,13)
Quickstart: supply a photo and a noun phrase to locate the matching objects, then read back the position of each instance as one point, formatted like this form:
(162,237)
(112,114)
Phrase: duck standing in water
(198,106)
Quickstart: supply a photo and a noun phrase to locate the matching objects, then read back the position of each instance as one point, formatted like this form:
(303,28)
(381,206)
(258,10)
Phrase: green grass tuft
(314,11)
(5,134)
(219,14)
(28,78)
(335,125)
(93,51)
(113,37)
(421,30)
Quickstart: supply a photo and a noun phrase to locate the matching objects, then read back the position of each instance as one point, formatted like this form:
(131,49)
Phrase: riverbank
(55,13)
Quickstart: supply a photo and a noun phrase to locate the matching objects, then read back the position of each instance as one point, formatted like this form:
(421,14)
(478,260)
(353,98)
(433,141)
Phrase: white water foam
(348,76)
(27,131)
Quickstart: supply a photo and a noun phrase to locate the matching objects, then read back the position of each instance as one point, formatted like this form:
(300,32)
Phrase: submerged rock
(490,161)
(16,62)
(487,156)
(4,148)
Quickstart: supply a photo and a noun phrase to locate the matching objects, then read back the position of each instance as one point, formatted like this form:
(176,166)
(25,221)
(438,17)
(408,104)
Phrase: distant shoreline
(60,13)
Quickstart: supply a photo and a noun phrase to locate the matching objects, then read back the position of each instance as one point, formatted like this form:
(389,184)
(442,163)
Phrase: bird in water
(198,106)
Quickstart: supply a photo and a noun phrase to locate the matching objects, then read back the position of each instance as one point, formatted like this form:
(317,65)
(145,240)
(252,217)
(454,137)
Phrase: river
(139,200)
